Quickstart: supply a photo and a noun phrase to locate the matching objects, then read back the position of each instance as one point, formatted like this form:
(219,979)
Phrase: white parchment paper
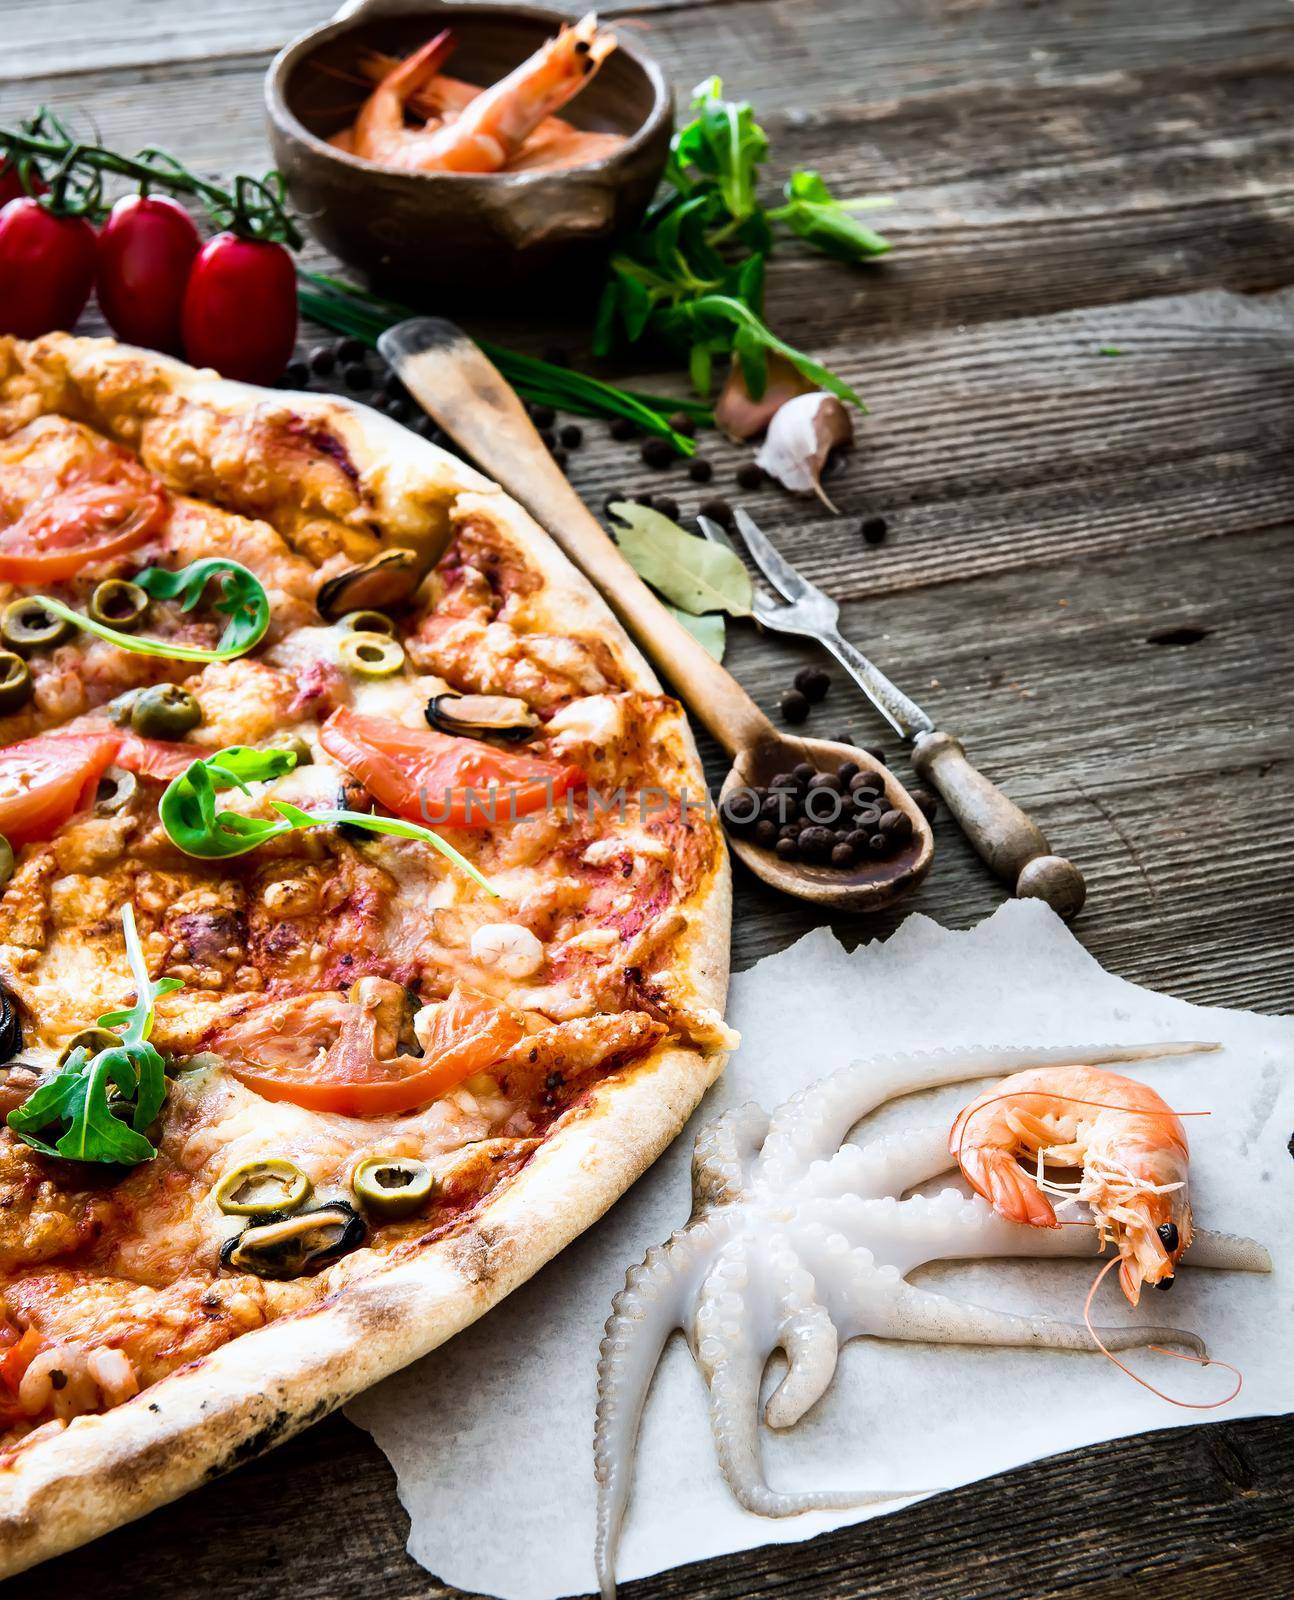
(491,1436)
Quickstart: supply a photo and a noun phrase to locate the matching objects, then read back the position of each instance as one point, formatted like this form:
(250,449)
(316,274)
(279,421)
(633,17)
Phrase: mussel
(290,1247)
(496,716)
(10,1026)
(381,583)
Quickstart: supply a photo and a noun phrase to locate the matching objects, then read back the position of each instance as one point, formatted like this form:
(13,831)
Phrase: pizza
(363,934)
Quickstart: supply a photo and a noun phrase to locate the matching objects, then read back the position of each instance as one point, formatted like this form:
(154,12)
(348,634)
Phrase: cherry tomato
(44,781)
(146,249)
(240,308)
(99,509)
(46,268)
(402,767)
(316,1050)
(11,183)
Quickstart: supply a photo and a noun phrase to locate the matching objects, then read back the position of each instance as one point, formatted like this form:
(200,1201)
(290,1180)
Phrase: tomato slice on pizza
(45,781)
(101,508)
(325,1052)
(441,778)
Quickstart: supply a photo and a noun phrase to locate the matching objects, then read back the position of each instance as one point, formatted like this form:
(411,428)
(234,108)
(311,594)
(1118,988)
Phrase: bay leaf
(692,573)
(708,631)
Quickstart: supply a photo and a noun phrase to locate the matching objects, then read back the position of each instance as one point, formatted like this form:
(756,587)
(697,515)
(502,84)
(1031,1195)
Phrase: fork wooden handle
(1013,845)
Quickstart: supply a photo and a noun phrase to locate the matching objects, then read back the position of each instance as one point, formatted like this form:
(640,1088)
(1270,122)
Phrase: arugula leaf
(814,214)
(92,1125)
(242,599)
(694,574)
(188,811)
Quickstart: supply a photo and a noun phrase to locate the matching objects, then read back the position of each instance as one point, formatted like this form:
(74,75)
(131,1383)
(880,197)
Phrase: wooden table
(1088,572)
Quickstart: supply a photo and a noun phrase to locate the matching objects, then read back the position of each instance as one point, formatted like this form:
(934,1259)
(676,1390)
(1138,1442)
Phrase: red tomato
(316,1050)
(18,1356)
(240,308)
(146,249)
(156,758)
(403,766)
(44,781)
(11,183)
(99,509)
(46,268)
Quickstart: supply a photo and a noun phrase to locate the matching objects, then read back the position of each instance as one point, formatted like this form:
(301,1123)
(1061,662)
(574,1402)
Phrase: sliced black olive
(15,681)
(117,788)
(10,1026)
(118,604)
(290,1247)
(380,584)
(497,715)
(25,625)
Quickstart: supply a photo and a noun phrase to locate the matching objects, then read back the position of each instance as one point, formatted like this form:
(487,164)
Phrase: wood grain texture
(1089,578)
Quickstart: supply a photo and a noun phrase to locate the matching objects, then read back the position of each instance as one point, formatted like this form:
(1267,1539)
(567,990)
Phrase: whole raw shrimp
(1130,1146)
(490,129)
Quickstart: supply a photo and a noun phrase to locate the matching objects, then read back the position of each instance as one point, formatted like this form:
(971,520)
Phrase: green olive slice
(392,1186)
(25,625)
(118,604)
(262,1188)
(371,655)
(164,711)
(296,744)
(15,681)
(6,861)
(91,1040)
(367,622)
(117,788)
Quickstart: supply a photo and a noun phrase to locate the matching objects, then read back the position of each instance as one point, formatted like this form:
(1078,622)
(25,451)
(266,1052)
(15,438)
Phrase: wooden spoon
(470,399)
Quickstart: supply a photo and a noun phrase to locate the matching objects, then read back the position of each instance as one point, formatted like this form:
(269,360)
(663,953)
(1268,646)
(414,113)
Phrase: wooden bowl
(448,237)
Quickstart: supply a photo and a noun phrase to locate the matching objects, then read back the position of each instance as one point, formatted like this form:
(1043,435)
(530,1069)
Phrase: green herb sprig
(92,1124)
(693,274)
(242,599)
(189,814)
(353,311)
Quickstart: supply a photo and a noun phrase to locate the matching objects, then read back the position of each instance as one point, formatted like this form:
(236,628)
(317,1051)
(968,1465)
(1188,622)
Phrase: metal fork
(1008,840)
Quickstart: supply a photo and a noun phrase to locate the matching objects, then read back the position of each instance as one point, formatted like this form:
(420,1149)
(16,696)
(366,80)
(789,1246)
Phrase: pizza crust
(106,1469)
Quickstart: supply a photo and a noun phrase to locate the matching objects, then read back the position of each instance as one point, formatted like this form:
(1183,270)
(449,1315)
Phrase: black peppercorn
(816,844)
(718,511)
(874,530)
(802,771)
(351,350)
(615,498)
(925,803)
(879,845)
(296,374)
(542,416)
(765,833)
(401,410)
(549,438)
(825,780)
(898,824)
(667,506)
(847,771)
(394,387)
(356,376)
(682,423)
(794,706)
(657,453)
(643,500)
(812,682)
(788,849)
(559,456)
(323,359)
(750,475)
(783,780)
(699,470)
(842,855)
(572,435)
(622,428)
(876,753)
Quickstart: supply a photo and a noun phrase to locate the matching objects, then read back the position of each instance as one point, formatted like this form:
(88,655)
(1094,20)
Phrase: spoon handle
(457,385)
(1012,844)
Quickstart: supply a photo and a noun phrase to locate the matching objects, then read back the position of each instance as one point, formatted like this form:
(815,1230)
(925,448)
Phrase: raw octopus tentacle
(799,1243)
